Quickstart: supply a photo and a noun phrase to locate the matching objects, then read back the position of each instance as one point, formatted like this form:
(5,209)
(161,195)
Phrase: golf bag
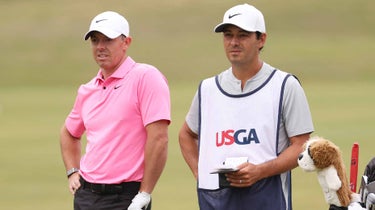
(367,189)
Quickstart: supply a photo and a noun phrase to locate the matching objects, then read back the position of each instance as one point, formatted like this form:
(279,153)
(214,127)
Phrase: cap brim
(220,27)
(87,35)
(108,33)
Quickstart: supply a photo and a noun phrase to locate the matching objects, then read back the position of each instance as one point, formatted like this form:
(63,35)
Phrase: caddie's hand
(74,183)
(140,201)
(246,176)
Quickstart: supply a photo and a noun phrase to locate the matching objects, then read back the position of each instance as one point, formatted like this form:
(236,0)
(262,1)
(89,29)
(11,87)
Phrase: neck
(107,72)
(246,72)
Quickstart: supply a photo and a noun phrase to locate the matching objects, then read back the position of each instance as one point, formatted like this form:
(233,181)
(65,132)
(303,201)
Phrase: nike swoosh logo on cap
(100,20)
(230,16)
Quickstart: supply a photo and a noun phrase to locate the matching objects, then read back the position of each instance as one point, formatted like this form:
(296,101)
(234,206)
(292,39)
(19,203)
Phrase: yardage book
(229,165)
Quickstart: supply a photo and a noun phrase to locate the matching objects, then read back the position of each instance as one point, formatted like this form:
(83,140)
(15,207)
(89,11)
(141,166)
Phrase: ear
(332,178)
(126,42)
(262,40)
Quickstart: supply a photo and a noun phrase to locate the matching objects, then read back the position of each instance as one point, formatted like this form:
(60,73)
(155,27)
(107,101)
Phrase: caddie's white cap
(109,23)
(244,16)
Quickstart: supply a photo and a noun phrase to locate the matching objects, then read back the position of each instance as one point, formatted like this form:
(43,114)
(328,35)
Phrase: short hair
(258,34)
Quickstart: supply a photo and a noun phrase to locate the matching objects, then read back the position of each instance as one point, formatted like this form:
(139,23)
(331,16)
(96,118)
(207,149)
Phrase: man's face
(109,53)
(241,47)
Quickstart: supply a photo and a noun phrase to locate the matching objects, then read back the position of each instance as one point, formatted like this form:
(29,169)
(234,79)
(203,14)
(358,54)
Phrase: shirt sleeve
(154,97)
(193,114)
(296,111)
(74,122)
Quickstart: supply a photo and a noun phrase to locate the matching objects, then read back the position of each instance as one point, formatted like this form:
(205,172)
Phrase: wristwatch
(71,171)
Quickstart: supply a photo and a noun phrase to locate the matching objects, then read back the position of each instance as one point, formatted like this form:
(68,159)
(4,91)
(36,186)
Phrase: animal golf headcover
(324,157)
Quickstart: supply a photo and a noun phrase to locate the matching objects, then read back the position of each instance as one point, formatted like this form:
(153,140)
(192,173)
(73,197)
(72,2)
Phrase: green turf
(327,44)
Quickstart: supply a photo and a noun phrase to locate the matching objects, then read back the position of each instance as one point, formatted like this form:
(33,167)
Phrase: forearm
(287,160)
(156,151)
(70,149)
(189,148)
(71,154)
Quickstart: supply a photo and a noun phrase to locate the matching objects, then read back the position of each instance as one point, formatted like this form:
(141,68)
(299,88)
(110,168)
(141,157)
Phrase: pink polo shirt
(114,113)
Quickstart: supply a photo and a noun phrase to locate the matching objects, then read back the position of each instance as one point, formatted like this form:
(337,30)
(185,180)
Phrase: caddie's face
(109,53)
(242,47)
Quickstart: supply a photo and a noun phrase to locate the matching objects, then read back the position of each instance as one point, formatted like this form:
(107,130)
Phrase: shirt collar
(257,76)
(124,68)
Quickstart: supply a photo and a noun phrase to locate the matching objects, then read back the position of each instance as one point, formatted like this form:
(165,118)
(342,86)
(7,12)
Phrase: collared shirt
(114,113)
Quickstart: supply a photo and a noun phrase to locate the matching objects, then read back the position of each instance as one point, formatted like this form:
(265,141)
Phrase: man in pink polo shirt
(125,112)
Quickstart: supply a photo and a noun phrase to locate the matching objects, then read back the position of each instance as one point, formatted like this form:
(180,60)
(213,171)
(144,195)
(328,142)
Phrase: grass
(327,44)
(33,174)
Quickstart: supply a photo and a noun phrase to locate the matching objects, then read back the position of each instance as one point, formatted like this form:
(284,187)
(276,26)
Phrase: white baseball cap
(109,23)
(244,16)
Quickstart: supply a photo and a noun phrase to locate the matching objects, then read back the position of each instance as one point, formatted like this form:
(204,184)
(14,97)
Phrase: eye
(94,40)
(244,35)
(227,35)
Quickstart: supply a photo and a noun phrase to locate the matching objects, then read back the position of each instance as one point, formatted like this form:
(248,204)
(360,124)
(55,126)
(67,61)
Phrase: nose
(100,45)
(234,41)
(300,156)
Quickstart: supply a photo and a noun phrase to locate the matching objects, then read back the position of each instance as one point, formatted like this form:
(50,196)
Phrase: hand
(246,176)
(74,183)
(140,201)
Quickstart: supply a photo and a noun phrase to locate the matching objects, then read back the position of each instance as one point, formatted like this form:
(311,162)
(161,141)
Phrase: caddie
(252,117)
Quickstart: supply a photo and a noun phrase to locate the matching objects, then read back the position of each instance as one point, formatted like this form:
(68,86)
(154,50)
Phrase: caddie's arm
(287,160)
(71,155)
(189,147)
(249,173)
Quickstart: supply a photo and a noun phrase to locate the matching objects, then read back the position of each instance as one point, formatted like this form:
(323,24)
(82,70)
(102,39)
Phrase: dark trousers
(105,197)
(266,194)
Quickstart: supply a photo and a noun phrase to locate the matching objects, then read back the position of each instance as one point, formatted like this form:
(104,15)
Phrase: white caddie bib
(237,125)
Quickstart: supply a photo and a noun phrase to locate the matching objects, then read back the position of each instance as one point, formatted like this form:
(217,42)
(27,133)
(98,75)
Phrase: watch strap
(72,171)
